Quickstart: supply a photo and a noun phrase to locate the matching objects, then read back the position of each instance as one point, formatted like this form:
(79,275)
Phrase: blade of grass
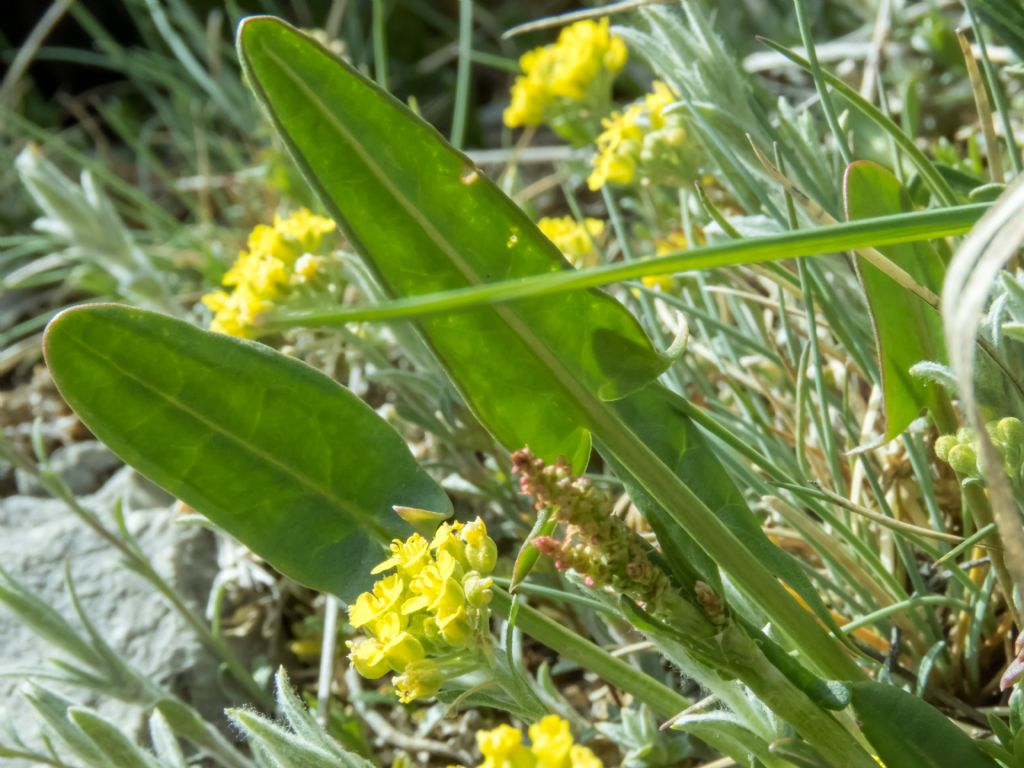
(926,168)
(886,230)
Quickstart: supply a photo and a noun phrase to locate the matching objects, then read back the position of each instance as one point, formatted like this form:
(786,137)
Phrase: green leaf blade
(428,220)
(275,453)
(906,330)
(908,733)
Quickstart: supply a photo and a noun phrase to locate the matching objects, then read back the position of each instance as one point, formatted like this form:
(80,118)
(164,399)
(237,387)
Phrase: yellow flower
(583,50)
(305,229)
(371,607)
(400,648)
(367,656)
(550,742)
(503,747)
(275,259)
(481,551)
(423,608)
(437,587)
(419,680)
(409,556)
(656,102)
(621,144)
(447,538)
(618,148)
(576,69)
(582,757)
(529,100)
(235,312)
(551,747)
(259,271)
(574,239)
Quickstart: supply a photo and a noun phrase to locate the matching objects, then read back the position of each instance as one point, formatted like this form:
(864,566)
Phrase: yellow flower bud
(419,680)
(306,267)
(481,551)
(943,445)
(447,539)
(1011,431)
(455,627)
(964,459)
(478,589)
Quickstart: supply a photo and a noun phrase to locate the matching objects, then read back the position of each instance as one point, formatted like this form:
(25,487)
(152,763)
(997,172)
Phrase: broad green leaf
(275,453)
(907,331)
(433,221)
(908,733)
(539,372)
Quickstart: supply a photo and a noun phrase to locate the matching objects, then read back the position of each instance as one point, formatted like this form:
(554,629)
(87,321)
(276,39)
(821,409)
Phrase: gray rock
(84,466)
(39,534)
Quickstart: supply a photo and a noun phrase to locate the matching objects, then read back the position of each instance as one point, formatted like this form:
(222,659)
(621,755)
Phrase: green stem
(380,46)
(567,643)
(747,572)
(804,23)
(462,77)
(819,728)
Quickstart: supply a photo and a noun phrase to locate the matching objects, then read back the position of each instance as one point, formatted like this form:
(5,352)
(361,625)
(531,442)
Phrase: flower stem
(567,643)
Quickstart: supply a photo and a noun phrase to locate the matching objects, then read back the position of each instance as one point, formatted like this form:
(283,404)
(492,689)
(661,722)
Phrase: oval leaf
(278,455)
(427,219)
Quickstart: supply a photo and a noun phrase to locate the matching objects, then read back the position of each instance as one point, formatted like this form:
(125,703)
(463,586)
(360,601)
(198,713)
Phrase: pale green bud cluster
(961,450)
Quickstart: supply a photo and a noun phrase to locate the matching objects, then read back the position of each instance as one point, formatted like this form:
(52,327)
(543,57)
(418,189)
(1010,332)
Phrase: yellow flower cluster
(578,68)
(435,603)
(551,746)
(620,147)
(277,257)
(575,239)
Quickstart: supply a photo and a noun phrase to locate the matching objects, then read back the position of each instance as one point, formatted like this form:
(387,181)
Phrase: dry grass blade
(995,161)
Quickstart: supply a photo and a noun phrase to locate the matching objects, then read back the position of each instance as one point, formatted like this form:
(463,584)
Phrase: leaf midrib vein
(270,459)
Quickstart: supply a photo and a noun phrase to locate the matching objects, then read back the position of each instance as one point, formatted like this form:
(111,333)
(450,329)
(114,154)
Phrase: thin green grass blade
(881,231)
(927,169)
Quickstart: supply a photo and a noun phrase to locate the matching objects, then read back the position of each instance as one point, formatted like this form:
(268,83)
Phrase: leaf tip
(65,317)
(252,27)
